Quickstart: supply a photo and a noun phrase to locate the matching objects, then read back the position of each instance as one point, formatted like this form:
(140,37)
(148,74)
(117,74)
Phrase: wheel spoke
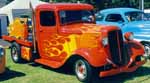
(84,70)
(13,51)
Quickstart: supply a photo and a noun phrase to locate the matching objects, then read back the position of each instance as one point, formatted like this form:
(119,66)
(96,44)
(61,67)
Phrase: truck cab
(66,33)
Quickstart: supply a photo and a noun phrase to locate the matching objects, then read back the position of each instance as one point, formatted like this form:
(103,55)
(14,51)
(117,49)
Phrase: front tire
(16,53)
(83,71)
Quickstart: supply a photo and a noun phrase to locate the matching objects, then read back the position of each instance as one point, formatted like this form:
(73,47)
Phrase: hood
(140,29)
(86,35)
(142,24)
(86,28)
(136,26)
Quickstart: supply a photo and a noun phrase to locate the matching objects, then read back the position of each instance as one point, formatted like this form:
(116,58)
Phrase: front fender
(135,48)
(95,57)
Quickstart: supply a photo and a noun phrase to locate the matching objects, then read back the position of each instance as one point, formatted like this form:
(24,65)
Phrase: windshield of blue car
(135,16)
(76,16)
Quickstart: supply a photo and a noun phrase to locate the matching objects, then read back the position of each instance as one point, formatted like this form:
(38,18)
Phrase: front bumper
(118,70)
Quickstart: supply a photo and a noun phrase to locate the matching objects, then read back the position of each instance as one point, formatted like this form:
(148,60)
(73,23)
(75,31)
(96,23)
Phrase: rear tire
(83,71)
(16,53)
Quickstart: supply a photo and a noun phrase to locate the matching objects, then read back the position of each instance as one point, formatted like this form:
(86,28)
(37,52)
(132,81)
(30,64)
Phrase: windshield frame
(77,21)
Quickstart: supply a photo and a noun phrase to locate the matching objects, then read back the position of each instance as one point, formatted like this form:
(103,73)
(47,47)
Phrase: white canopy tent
(18,7)
(147,10)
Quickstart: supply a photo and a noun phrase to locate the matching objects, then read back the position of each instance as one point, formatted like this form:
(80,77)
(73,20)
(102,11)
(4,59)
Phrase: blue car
(129,20)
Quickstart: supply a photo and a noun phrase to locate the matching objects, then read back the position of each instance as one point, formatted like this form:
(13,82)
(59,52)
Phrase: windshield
(73,16)
(147,15)
(136,16)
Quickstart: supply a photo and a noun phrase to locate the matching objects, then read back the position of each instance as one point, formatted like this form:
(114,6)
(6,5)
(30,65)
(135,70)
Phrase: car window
(114,18)
(99,17)
(47,18)
(74,16)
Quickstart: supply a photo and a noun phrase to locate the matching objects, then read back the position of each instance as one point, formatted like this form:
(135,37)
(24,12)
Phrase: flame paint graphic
(54,48)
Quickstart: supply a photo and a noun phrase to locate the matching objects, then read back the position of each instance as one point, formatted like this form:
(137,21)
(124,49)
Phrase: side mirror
(128,36)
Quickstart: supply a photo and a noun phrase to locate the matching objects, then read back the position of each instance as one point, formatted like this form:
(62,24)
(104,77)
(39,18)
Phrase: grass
(34,73)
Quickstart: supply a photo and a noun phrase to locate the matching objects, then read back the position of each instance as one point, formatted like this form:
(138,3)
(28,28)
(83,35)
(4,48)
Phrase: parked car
(129,20)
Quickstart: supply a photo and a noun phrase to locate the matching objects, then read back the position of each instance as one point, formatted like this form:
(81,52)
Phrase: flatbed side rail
(19,41)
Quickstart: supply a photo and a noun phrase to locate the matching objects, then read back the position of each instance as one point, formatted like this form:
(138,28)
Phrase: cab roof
(118,10)
(65,6)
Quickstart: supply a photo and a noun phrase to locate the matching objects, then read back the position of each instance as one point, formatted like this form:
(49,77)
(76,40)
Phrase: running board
(52,64)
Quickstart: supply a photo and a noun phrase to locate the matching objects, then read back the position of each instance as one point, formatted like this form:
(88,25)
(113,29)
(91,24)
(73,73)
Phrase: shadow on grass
(121,78)
(9,74)
(64,69)
(34,64)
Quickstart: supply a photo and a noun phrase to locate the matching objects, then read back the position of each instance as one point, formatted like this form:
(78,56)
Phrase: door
(50,43)
(47,28)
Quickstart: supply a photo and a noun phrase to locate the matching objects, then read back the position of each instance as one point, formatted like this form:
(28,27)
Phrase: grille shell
(117,48)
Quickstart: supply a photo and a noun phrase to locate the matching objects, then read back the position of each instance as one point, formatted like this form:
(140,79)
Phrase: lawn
(35,73)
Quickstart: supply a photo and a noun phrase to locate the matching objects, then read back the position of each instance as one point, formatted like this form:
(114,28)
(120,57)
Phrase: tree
(147,4)
(8,1)
(45,0)
(103,4)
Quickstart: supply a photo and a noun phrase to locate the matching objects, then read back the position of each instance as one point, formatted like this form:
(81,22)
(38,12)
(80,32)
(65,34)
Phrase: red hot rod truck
(66,32)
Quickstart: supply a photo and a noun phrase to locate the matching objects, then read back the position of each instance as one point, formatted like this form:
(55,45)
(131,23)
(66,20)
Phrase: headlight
(2,52)
(131,37)
(105,41)
(128,36)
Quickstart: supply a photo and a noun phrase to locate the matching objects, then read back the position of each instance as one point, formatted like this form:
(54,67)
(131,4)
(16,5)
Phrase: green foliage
(103,4)
(147,4)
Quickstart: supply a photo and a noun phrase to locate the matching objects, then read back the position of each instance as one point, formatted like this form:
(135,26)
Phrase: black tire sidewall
(17,46)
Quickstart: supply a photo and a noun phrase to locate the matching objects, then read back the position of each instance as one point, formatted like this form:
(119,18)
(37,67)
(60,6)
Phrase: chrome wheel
(147,51)
(84,71)
(81,70)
